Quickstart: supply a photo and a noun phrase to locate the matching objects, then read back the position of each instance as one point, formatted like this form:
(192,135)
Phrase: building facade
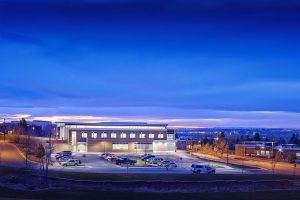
(117,137)
(255,149)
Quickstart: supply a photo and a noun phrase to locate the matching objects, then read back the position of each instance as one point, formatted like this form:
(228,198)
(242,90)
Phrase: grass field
(77,194)
(94,194)
(171,177)
(149,177)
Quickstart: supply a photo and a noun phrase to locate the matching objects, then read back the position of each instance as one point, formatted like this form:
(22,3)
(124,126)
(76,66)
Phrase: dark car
(147,157)
(63,153)
(126,161)
(62,157)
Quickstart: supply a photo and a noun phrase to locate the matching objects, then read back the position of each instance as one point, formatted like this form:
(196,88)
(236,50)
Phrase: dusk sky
(209,63)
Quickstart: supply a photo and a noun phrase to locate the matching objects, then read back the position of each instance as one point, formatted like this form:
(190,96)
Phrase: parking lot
(92,162)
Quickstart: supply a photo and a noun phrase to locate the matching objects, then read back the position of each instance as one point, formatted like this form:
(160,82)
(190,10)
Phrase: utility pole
(227,147)
(273,166)
(145,147)
(244,157)
(4,131)
(227,156)
(26,152)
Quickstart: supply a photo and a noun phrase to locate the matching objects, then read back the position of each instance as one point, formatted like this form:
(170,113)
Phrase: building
(117,137)
(255,149)
(292,150)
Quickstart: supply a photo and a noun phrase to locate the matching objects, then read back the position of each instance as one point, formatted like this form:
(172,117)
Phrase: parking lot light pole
(273,164)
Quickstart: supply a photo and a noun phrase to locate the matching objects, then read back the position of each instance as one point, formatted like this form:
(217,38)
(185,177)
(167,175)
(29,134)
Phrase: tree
(256,137)
(290,158)
(204,141)
(40,153)
(222,135)
(278,157)
(22,129)
(248,137)
(23,126)
(282,141)
(294,139)
(197,147)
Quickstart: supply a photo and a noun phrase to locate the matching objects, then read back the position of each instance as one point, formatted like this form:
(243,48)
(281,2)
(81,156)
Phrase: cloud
(172,116)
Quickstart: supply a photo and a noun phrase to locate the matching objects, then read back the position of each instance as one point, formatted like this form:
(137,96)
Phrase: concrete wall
(99,146)
(241,150)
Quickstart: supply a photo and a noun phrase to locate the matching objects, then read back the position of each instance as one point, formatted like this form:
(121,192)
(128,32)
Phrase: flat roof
(112,124)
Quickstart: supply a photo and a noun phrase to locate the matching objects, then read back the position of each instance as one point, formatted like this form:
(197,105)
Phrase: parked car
(62,154)
(171,165)
(201,168)
(71,162)
(128,161)
(150,158)
(105,155)
(164,163)
(110,157)
(146,154)
(147,157)
(155,160)
(63,158)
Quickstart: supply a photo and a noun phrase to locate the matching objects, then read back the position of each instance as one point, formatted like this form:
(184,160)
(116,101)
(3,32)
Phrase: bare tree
(40,153)
(278,157)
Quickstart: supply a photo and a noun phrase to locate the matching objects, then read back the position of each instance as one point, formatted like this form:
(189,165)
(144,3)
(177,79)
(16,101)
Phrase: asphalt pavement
(11,156)
(91,162)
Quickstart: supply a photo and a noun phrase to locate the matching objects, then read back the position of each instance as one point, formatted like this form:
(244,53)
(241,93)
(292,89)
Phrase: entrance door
(74,141)
(81,147)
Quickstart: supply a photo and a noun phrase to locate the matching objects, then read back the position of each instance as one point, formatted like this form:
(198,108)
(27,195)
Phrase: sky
(210,63)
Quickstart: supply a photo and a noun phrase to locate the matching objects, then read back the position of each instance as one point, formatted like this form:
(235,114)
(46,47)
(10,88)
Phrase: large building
(117,137)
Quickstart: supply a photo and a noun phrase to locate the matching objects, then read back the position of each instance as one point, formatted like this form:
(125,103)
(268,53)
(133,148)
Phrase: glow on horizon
(240,119)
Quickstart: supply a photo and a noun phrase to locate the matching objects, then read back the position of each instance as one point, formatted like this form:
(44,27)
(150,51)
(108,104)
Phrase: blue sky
(186,63)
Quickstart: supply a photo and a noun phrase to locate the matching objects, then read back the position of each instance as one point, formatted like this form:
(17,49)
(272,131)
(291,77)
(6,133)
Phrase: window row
(122,135)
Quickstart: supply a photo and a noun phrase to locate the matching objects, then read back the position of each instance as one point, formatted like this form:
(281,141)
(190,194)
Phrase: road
(280,167)
(11,156)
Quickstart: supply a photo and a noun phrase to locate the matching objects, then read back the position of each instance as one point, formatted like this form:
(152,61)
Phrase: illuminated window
(113,135)
(151,135)
(123,135)
(160,135)
(132,135)
(170,136)
(142,135)
(103,135)
(84,135)
(94,135)
(119,146)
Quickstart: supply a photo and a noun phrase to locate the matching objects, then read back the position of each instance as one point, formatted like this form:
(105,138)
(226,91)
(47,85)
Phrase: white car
(202,168)
(105,155)
(71,162)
